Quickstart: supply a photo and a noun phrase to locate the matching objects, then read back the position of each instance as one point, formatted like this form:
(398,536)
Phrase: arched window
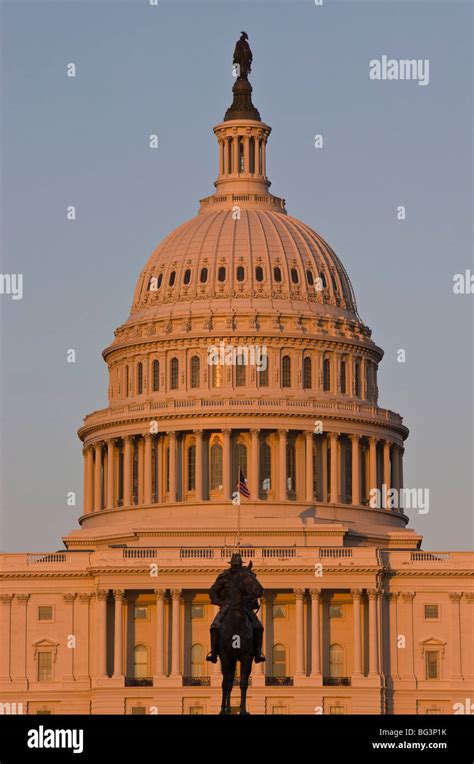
(336,661)
(240,371)
(240,456)
(229,154)
(197,660)
(277,274)
(240,273)
(217,375)
(216,467)
(174,374)
(310,278)
(357,380)
(140,662)
(265,466)
(294,276)
(160,281)
(221,274)
(192,468)
(172,278)
(326,375)
(203,275)
(187,276)
(291,467)
(156,376)
(286,371)
(140,378)
(307,374)
(342,381)
(259,273)
(279,660)
(241,155)
(195,371)
(323,280)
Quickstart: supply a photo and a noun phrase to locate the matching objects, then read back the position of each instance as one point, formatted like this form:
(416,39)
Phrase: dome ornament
(242,106)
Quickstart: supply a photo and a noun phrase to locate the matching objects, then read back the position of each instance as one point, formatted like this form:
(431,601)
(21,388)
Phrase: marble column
(356,614)
(309,467)
(19,631)
(455,630)
(98,477)
(81,630)
(160,625)
(127,471)
(355,469)
(226,465)
(282,482)
(386,467)
(198,438)
(160,471)
(69,647)
(372,463)
(254,464)
(88,479)
(110,473)
(101,643)
(5,636)
(315,633)
(333,438)
(324,467)
(118,633)
(299,594)
(373,633)
(175,637)
(172,465)
(147,468)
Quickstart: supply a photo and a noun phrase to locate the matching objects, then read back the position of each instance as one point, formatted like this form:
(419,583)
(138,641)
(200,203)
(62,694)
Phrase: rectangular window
(431,612)
(45,666)
(280,710)
(141,612)
(45,613)
(198,611)
(432,711)
(196,710)
(335,611)
(337,710)
(432,664)
(138,710)
(44,712)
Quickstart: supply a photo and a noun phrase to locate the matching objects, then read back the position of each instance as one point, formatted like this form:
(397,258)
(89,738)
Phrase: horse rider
(220,593)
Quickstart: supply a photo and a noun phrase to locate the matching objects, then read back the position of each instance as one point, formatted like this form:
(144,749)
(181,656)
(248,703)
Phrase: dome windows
(174,368)
(342,379)
(259,273)
(326,375)
(277,274)
(286,371)
(240,273)
(221,274)
(172,278)
(310,278)
(140,378)
(294,276)
(307,374)
(156,375)
(195,371)
(203,275)
(187,276)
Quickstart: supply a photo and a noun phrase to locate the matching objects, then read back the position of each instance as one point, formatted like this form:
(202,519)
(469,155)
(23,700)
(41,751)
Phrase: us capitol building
(358,619)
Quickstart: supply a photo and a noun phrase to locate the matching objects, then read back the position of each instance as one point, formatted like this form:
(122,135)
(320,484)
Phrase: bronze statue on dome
(243,56)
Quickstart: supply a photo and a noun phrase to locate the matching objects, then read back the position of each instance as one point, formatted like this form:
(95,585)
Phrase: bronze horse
(235,640)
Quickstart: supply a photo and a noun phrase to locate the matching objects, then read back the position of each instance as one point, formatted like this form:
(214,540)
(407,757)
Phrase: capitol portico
(357,617)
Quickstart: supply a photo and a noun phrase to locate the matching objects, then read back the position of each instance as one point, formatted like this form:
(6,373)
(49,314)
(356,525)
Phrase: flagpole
(238,523)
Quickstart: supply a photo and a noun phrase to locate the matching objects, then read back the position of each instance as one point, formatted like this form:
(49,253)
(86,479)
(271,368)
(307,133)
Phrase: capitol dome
(303,430)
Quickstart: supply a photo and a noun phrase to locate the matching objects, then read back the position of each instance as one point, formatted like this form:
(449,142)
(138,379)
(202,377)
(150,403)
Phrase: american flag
(242,486)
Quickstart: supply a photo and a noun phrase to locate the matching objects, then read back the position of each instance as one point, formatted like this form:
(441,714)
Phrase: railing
(429,556)
(196,553)
(335,552)
(269,552)
(336,681)
(279,681)
(143,682)
(49,557)
(196,681)
(243,551)
(139,553)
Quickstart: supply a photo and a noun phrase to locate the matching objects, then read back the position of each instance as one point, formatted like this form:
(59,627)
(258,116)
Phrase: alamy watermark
(238,355)
(400,498)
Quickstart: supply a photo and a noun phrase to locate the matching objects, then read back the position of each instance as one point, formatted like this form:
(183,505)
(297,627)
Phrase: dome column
(333,440)
(160,471)
(299,594)
(226,465)
(315,634)
(172,465)
(355,469)
(386,468)
(110,473)
(101,645)
(372,463)
(88,479)
(127,471)
(373,633)
(282,487)
(254,463)
(118,633)
(356,615)
(160,642)
(98,477)
(147,469)
(198,439)
(309,467)
(324,468)
(175,636)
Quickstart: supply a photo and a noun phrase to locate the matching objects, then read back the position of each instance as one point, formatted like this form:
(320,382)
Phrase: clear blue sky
(167,70)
